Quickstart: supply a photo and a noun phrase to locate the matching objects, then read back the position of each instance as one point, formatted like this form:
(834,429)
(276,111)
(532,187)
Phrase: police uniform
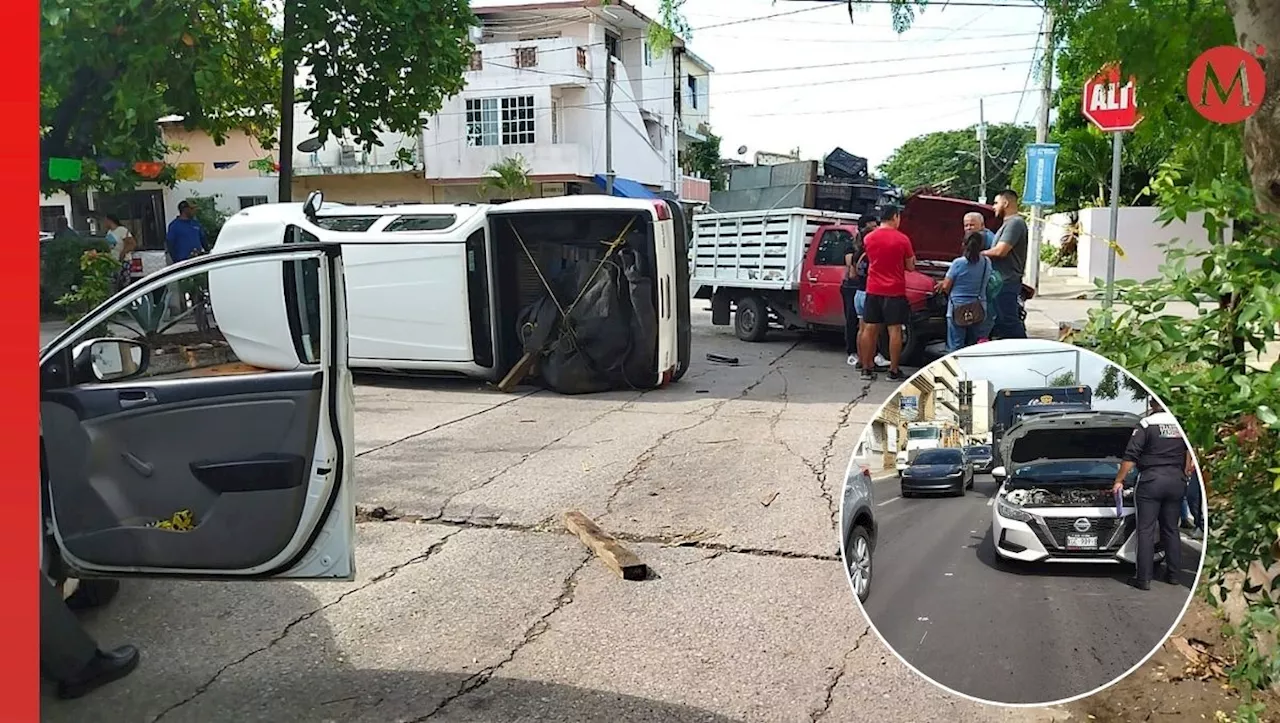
(1159,452)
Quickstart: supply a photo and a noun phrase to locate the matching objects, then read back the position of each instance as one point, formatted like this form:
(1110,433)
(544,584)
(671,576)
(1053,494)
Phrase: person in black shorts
(889,258)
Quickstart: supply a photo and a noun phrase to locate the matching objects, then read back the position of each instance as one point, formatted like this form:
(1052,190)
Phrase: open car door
(170,450)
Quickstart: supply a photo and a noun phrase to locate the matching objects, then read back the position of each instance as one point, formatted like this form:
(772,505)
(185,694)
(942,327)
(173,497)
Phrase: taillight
(135,265)
(660,208)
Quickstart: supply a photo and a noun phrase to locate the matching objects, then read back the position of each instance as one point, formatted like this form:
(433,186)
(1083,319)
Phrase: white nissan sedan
(1055,502)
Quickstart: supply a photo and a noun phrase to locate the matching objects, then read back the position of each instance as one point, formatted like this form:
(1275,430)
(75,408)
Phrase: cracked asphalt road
(478,606)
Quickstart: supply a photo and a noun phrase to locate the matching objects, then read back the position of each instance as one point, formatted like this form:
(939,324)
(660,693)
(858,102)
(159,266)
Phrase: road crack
(531,633)
(442,425)
(284,633)
(444,506)
(837,674)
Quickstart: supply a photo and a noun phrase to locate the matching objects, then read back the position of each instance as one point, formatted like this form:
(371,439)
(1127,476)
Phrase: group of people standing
(982,285)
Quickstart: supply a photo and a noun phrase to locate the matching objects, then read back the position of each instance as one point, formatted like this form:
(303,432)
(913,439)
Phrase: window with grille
(648,53)
(477,60)
(527,57)
(247,201)
(500,121)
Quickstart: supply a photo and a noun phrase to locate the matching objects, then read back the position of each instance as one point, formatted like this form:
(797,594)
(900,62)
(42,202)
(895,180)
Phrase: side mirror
(111,360)
(999,473)
(312,205)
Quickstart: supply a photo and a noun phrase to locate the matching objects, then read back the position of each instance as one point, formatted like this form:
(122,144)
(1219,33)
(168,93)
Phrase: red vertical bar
(19,328)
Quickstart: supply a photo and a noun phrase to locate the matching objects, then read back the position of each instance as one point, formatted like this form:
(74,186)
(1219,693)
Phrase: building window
(247,201)
(648,54)
(500,121)
(693,92)
(527,57)
(477,60)
(582,57)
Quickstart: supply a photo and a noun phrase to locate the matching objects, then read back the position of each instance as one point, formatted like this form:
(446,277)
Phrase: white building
(537,90)
(946,385)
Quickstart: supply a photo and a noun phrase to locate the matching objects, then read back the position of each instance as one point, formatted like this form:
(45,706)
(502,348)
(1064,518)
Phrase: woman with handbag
(966,289)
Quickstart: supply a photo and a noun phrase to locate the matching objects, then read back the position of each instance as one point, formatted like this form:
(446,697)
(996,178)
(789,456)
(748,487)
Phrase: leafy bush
(210,216)
(99,273)
(60,266)
(1206,369)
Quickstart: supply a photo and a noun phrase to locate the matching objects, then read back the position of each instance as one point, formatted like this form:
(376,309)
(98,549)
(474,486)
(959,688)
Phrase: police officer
(1163,460)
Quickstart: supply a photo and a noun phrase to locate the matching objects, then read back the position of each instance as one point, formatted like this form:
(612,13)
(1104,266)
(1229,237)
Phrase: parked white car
(858,521)
(1055,502)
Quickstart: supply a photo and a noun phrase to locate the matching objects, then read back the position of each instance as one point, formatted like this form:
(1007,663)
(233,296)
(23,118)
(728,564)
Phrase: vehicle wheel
(858,558)
(91,594)
(751,321)
(912,346)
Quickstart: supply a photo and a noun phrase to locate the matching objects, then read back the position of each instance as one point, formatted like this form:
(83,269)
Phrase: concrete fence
(1144,240)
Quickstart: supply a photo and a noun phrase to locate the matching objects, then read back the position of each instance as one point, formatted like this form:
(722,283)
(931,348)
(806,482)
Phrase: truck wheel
(912,345)
(751,320)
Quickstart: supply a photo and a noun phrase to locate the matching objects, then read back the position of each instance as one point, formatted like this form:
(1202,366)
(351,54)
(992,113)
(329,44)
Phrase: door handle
(136,398)
(813,279)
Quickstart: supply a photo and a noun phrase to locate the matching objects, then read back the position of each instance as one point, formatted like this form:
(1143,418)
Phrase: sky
(851,103)
(1020,360)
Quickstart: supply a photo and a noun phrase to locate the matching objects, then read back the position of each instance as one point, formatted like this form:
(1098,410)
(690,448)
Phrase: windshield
(979,451)
(924,433)
(1066,470)
(939,456)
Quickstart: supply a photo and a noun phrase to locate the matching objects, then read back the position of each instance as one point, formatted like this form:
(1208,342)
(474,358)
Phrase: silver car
(858,522)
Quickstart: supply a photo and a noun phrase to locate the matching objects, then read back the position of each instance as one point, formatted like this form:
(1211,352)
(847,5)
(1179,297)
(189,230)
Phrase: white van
(454,289)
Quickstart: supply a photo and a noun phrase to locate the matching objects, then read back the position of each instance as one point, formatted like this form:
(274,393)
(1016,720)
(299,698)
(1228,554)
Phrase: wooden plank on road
(611,552)
(517,373)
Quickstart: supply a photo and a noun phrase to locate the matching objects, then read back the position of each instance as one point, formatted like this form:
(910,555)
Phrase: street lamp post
(1047,375)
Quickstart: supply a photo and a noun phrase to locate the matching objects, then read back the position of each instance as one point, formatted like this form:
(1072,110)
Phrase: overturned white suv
(1055,502)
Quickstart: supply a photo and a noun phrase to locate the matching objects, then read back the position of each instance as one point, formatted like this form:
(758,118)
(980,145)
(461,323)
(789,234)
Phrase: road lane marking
(990,500)
(882,504)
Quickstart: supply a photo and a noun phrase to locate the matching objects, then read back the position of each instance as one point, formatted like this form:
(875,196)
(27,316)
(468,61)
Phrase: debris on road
(382,514)
(622,561)
(768,498)
(722,359)
(518,372)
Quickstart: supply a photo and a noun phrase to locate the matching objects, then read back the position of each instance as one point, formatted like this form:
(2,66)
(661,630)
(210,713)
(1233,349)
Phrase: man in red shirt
(889,257)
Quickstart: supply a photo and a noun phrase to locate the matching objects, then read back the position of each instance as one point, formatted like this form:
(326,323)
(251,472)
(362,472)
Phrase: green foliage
(149,318)
(703,159)
(60,266)
(1115,382)
(1065,379)
(99,272)
(379,65)
(109,70)
(508,177)
(948,160)
(1206,371)
(1154,41)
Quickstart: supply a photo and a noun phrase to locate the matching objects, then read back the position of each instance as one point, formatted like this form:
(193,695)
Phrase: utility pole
(1042,136)
(608,123)
(290,63)
(982,154)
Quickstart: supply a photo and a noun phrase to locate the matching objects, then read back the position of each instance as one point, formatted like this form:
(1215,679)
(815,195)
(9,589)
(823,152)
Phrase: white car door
(165,454)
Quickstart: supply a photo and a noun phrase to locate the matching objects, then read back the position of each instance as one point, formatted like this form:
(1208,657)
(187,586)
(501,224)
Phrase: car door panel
(257,460)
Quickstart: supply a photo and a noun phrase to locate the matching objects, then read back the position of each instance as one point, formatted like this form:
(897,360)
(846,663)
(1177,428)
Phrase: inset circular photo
(1023,522)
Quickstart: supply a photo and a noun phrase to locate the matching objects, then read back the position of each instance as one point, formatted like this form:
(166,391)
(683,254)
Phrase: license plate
(1076,542)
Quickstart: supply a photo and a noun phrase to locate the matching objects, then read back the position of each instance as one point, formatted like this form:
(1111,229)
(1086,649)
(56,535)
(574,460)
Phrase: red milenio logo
(1226,84)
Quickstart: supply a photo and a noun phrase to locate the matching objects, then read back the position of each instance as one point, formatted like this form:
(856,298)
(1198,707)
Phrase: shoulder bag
(975,311)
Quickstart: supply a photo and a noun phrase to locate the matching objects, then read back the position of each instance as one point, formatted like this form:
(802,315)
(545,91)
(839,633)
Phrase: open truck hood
(935,225)
(1096,434)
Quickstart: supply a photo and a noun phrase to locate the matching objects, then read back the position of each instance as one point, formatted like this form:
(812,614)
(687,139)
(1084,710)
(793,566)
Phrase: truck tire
(751,320)
(912,345)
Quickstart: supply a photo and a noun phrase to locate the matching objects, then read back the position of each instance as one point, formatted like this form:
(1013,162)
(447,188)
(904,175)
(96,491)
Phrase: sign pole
(1117,146)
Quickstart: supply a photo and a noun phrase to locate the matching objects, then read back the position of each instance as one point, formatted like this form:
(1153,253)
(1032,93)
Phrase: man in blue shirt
(186,236)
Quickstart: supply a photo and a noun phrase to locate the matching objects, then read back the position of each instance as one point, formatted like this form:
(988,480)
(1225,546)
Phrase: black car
(942,470)
(983,460)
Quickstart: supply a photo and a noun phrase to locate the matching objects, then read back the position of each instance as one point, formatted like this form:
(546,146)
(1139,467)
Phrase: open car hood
(935,225)
(1094,434)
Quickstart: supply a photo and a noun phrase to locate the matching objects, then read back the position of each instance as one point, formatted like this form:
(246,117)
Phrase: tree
(1065,379)
(508,177)
(948,160)
(109,71)
(702,158)
(1114,381)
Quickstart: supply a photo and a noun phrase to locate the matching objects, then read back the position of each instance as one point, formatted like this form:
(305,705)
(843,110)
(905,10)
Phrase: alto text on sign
(1111,103)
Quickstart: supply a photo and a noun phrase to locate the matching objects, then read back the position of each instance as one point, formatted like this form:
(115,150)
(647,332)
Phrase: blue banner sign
(1042,164)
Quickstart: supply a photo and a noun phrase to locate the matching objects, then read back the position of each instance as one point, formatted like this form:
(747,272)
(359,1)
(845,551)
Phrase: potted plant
(507,179)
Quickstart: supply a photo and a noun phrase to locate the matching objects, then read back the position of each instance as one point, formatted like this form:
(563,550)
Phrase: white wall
(226,192)
(1138,234)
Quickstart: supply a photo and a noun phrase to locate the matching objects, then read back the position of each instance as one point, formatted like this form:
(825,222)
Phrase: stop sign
(1110,104)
